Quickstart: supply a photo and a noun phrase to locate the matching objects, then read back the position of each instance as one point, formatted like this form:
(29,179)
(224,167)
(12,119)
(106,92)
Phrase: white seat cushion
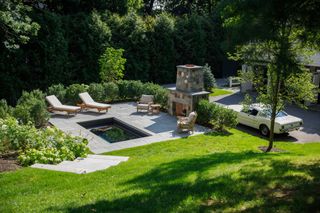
(98,105)
(53,101)
(67,108)
(86,98)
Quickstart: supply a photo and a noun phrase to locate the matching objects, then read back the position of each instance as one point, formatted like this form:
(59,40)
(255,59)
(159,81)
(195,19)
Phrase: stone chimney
(189,90)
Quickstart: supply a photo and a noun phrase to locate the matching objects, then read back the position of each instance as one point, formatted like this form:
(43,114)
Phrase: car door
(244,117)
(249,118)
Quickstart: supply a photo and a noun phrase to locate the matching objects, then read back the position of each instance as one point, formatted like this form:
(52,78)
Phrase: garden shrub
(96,91)
(225,118)
(48,145)
(216,116)
(111,91)
(58,90)
(135,89)
(72,93)
(208,78)
(205,112)
(31,107)
(130,89)
(27,96)
(5,109)
(160,94)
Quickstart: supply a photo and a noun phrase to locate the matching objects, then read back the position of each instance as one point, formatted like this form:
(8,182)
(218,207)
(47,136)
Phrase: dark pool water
(113,130)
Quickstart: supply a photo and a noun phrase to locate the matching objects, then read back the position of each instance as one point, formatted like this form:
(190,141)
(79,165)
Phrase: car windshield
(267,113)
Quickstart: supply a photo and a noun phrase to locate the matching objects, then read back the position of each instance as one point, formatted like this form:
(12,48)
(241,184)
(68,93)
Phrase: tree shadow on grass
(218,133)
(246,181)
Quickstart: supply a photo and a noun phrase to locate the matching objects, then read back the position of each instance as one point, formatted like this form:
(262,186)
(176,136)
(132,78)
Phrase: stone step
(108,157)
(60,168)
(84,165)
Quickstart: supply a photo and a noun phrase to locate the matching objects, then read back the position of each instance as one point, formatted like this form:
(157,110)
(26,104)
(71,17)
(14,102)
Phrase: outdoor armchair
(145,102)
(187,123)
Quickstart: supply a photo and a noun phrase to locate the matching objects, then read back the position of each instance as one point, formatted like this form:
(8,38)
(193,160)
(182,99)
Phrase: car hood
(288,119)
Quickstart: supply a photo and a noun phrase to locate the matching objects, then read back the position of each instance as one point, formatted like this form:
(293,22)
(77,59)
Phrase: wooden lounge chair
(89,103)
(187,123)
(56,105)
(145,102)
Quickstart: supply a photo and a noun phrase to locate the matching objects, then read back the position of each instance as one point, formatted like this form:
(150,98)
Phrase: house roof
(314,61)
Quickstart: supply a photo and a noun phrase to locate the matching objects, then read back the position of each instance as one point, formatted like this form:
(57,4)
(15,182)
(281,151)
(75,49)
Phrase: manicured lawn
(223,173)
(217,92)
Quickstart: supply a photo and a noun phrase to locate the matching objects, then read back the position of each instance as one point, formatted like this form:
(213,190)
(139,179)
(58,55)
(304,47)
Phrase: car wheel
(264,130)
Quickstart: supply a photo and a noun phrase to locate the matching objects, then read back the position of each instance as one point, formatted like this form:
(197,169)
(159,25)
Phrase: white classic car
(258,117)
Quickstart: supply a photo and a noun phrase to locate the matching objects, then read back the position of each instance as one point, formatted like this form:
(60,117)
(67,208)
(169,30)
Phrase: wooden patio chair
(187,123)
(145,102)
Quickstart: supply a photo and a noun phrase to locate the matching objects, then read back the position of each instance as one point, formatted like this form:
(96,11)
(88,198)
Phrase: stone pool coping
(161,127)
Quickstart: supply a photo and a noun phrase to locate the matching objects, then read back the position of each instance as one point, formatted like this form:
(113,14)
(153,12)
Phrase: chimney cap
(189,66)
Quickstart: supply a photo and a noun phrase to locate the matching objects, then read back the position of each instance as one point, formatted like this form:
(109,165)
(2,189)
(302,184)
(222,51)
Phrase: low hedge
(215,115)
(122,90)
(31,106)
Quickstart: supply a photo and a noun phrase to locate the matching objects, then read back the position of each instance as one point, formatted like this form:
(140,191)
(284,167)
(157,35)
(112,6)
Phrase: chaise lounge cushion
(56,104)
(88,101)
(98,105)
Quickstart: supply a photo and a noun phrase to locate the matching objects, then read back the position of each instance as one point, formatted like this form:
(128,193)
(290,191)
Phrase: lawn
(224,173)
(217,92)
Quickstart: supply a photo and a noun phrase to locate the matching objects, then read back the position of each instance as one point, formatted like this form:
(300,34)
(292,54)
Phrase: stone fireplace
(189,90)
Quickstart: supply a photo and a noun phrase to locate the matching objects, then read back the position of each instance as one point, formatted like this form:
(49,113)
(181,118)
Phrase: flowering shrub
(48,145)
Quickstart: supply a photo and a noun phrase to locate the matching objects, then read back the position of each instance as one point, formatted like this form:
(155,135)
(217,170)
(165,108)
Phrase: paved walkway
(161,127)
(89,164)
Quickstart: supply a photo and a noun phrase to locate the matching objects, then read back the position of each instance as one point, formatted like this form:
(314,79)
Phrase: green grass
(217,92)
(221,173)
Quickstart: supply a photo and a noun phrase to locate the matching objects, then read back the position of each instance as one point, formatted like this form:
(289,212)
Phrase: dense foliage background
(74,34)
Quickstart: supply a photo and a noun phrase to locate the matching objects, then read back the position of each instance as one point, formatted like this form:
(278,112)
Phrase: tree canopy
(272,33)
(16,26)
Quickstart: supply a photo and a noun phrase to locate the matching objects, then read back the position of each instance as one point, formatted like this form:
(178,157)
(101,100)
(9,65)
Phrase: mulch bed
(274,149)
(8,165)
(8,162)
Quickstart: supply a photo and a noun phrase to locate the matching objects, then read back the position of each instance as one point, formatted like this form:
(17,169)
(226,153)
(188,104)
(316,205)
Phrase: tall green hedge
(69,45)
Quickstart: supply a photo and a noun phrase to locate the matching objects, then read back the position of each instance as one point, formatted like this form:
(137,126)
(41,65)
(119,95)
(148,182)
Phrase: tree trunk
(275,95)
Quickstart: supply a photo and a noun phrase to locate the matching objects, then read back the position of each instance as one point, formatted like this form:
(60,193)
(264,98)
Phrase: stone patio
(160,127)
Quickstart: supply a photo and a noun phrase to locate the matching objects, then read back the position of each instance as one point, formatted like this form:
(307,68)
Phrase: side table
(155,108)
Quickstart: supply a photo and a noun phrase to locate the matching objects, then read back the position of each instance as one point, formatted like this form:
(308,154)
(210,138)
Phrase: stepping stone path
(89,164)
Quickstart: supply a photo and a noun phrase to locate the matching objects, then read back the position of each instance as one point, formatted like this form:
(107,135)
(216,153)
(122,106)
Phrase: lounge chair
(187,123)
(56,105)
(145,102)
(89,103)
